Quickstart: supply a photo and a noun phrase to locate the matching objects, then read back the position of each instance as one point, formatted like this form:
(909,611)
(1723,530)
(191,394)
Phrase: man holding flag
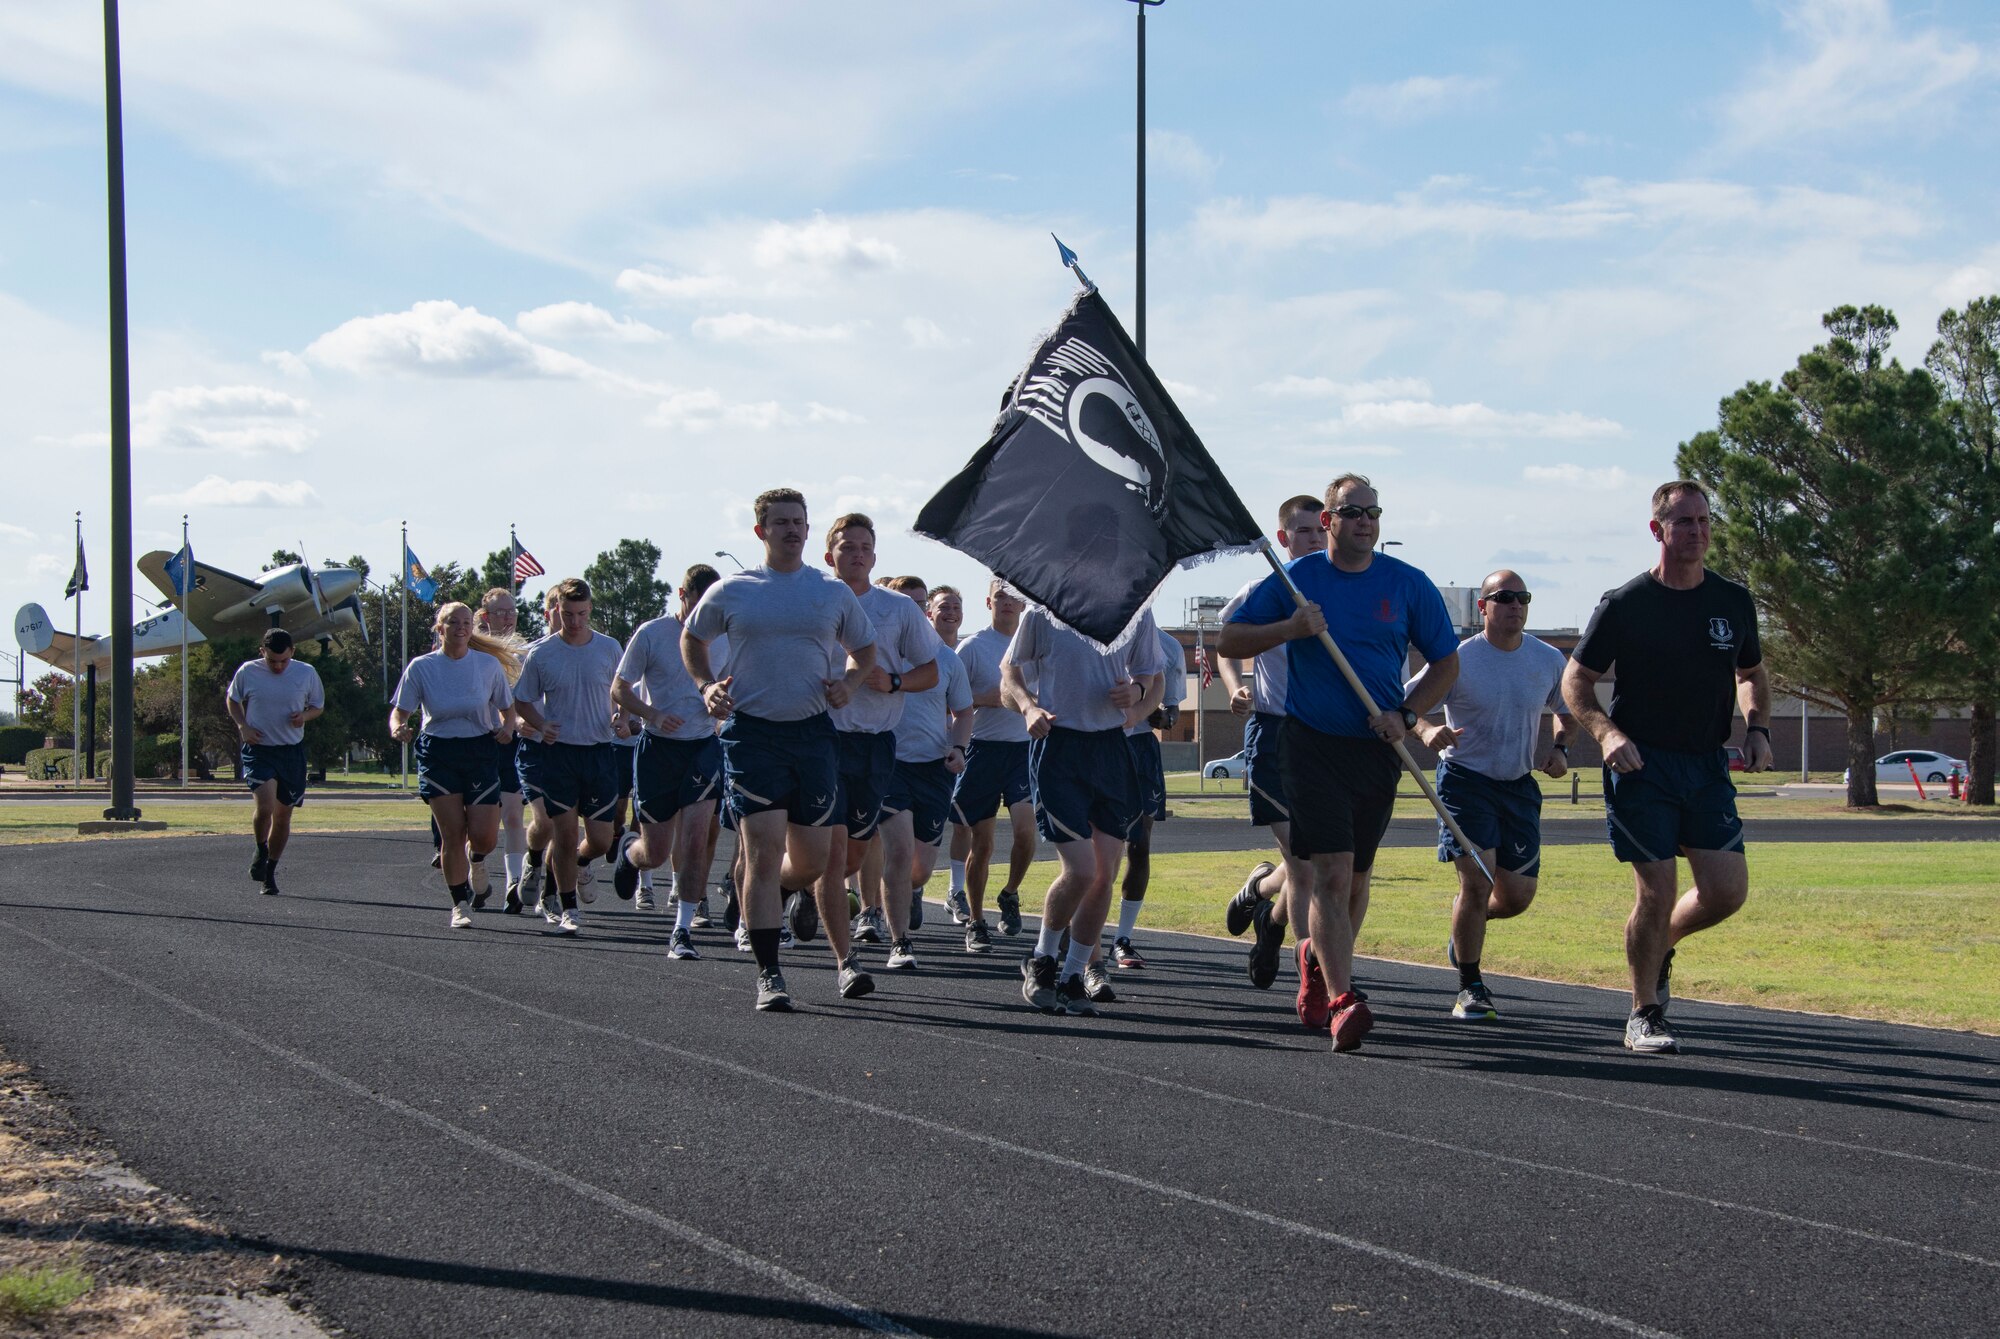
(1340,764)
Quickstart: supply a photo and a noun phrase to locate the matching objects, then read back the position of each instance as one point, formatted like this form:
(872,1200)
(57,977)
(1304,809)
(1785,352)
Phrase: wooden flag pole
(1367,702)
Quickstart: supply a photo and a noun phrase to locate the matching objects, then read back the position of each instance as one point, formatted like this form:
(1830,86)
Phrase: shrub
(16,740)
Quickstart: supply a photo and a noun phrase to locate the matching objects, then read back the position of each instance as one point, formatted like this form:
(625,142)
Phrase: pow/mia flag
(1092,486)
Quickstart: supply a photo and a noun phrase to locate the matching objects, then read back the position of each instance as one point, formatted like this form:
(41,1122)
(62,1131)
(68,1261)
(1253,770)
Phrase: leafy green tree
(354,712)
(283,558)
(1826,490)
(39,700)
(625,588)
(1966,362)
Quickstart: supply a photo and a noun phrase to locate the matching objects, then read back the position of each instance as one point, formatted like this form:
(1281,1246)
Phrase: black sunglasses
(1351,513)
(1508,597)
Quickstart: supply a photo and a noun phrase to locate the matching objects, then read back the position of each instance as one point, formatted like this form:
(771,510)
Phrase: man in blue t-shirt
(1340,763)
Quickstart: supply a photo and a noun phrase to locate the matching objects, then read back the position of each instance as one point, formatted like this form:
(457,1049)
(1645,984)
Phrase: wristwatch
(1409,718)
(895,682)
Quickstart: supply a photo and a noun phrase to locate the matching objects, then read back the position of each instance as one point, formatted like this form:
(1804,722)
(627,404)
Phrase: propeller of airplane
(312,581)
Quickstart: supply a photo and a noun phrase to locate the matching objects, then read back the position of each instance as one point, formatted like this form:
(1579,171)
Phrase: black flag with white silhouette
(1092,486)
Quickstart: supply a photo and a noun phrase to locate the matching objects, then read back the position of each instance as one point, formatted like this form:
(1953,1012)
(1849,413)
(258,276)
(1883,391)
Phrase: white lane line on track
(1386,1253)
(1290,1113)
(768,1270)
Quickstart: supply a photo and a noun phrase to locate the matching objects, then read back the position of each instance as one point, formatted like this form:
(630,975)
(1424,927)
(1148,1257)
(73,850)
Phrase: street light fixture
(725,553)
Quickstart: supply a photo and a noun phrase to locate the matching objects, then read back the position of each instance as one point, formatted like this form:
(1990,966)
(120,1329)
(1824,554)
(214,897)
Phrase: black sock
(569,900)
(461,892)
(764,943)
(583,861)
(1468,973)
(263,851)
(535,856)
(478,856)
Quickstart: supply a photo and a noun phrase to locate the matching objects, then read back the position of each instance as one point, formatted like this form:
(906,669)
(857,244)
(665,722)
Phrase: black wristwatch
(1409,718)
(1763,730)
(895,682)
(1563,749)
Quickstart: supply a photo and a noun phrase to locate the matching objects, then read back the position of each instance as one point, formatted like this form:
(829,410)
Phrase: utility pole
(122,808)
(1139,306)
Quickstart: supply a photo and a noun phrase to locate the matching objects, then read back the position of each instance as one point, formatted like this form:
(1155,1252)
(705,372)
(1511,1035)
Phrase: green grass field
(1905,931)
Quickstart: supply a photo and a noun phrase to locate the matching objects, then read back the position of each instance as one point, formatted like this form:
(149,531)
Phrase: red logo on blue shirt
(1385,612)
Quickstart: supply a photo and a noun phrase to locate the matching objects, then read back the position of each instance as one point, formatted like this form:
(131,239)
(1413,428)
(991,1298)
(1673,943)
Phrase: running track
(498,1133)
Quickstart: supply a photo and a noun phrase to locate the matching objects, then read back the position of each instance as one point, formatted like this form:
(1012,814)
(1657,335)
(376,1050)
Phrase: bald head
(1504,579)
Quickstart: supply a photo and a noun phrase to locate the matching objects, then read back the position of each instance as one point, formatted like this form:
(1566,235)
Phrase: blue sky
(610,269)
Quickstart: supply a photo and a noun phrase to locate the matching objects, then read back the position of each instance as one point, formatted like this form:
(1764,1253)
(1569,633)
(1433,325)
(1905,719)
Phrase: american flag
(525,565)
(1202,663)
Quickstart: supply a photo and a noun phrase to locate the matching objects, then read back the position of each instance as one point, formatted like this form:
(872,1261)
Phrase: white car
(1227,769)
(1894,767)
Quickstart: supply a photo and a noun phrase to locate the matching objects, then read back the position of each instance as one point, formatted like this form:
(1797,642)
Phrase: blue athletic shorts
(1150,773)
(628,763)
(789,765)
(1083,779)
(1676,801)
(1264,744)
(507,761)
(867,770)
(468,768)
(282,763)
(922,790)
(996,774)
(1504,817)
(580,778)
(669,775)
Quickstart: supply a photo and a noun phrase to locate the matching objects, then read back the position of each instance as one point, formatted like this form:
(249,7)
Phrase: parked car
(1227,769)
(1736,763)
(1892,767)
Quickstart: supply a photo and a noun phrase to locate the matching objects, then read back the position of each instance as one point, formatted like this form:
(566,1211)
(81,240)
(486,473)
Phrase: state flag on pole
(525,565)
(79,576)
(180,570)
(1092,486)
(416,578)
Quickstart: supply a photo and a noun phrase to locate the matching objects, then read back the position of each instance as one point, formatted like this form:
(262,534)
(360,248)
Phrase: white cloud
(248,420)
(705,409)
(745,328)
(1186,393)
(216,491)
(1471,417)
(285,361)
(652,286)
(18,533)
(1857,70)
(1605,479)
(1966,283)
(1179,154)
(1417,97)
(925,333)
(582,320)
(440,339)
(1324,388)
(822,243)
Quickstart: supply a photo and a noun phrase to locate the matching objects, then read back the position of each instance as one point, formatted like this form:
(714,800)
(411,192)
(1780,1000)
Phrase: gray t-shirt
(1498,700)
(924,733)
(571,686)
(1271,671)
(981,654)
(1077,677)
(1173,664)
(269,700)
(461,699)
(652,664)
(788,633)
(904,639)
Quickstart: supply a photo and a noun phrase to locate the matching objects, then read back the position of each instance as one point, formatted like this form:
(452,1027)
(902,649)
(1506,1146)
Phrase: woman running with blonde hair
(462,693)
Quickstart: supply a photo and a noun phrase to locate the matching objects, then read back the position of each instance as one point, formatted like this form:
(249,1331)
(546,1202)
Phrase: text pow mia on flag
(1092,486)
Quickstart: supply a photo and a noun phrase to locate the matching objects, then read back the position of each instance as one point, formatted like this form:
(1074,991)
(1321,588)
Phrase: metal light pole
(1139,306)
(403,583)
(122,807)
(724,553)
(187,575)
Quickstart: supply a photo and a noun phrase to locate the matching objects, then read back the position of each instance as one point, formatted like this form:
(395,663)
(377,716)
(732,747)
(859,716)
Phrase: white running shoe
(743,936)
(642,901)
(460,919)
(584,879)
(570,923)
(551,908)
(482,883)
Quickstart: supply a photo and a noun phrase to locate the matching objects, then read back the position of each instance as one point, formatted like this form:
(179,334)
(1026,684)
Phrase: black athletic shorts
(1677,801)
(1084,779)
(1504,817)
(507,760)
(1342,789)
(573,777)
(670,775)
(923,790)
(1264,743)
(995,775)
(468,768)
(789,765)
(867,770)
(1151,774)
(282,763)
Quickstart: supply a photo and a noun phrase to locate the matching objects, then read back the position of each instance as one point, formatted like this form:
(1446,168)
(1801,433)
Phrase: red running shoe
(1314,1007)
(1351,1022)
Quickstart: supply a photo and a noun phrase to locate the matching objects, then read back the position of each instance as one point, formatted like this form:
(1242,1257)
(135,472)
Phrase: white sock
(958,876)
(1128,916)
(1076,959)
(684,914)
(646,879)
(1049,942)
(517,864)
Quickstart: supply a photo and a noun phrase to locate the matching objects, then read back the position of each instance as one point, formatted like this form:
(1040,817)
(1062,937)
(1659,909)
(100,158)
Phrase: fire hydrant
(1954,783)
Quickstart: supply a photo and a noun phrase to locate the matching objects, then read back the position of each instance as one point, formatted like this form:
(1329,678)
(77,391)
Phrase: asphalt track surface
(497,1132)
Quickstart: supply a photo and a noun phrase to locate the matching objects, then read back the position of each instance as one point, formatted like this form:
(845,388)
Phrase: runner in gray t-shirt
(996,768)
(271,698)
(1489,751)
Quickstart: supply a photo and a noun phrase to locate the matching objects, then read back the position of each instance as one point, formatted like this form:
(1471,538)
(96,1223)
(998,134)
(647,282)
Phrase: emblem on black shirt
(1721,634)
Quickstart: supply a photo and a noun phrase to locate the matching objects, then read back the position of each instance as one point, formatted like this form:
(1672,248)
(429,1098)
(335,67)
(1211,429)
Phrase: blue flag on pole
(416,578)
(180,570)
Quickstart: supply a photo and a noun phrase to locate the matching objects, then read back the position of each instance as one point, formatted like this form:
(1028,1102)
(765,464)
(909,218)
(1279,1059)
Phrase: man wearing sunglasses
(1340,764)
(1685,642)
(1489,749)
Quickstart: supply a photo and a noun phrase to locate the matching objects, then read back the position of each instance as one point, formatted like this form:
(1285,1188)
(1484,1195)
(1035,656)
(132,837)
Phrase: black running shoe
(625,874)
(437,860)
(270,881)
(1664,986)
(1009,903)
(916,909)
(259,865)
(1097,984)
(1038,982)
(772,997)
(1242,908)
(732,910)
(479,899)
(853,982)
(1267,948)
(1073,998)
(978,938)
(1475,1002)
(802,914)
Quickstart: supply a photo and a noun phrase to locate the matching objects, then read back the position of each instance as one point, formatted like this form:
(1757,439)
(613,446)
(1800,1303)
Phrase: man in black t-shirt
(1685,644)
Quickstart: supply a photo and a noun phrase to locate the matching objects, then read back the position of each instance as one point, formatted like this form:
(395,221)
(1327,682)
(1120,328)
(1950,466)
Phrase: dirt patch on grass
(89,1249)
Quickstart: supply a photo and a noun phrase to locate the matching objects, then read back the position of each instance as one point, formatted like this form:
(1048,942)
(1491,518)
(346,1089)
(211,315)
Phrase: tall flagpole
(1139,307)
(513,561)
(403,584)
(122,806)
(76,687)
(187,572)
